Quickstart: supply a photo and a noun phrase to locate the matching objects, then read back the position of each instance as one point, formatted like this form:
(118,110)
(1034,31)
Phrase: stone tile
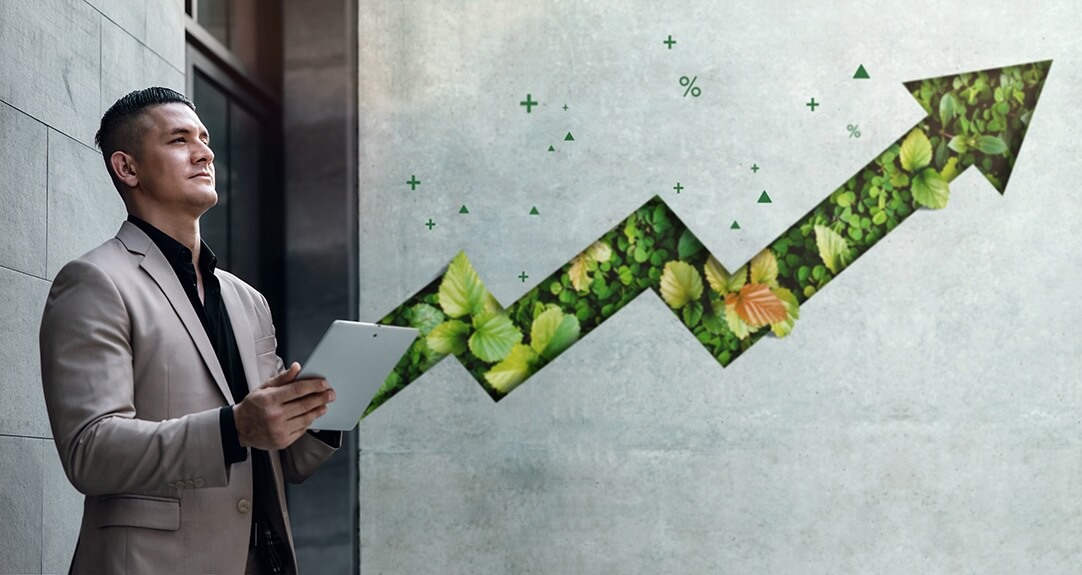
(22,412)
(165,31)
(131,15)
(22,190)
(20,505)
(52,62)
(84,207)
(129,65)
(62,512)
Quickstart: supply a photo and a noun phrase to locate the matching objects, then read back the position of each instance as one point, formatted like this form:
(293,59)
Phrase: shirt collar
(174,251)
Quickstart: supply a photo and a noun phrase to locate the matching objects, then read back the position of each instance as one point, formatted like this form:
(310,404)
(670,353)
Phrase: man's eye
(177,140)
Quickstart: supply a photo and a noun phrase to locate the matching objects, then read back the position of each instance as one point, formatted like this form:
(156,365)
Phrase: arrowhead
(981,117)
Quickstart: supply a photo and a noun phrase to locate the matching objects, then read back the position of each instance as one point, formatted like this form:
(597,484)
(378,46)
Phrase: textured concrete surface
(63,62)
(51,67)
(922,416)
(22,412)
(20,505)
(84,207)
(62,510)
(22,150)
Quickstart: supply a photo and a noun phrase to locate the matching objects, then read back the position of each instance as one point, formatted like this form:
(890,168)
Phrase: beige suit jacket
(133,390)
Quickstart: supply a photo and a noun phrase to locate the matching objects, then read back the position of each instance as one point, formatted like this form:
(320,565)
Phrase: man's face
(175,162)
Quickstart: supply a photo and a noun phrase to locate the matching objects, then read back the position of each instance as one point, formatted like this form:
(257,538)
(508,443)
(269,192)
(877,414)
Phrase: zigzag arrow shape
(975,118)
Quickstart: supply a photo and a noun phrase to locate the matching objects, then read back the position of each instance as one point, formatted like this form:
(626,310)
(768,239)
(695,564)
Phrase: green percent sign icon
(974,119)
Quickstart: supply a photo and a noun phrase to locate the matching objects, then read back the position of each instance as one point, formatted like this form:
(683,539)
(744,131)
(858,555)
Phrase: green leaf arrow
(653,250)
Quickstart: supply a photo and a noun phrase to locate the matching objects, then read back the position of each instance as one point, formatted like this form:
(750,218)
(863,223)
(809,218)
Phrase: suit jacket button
(189,484)
(199,482)
(244,506)
(170,486)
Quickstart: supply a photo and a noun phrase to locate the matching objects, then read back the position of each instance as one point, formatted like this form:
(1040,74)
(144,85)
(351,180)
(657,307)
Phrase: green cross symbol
(413,182)
(528,103)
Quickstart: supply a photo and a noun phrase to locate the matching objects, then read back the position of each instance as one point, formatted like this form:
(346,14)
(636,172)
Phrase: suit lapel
(242,332)
(155,264)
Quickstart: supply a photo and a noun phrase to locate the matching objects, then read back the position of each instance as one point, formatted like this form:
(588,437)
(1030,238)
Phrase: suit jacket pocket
(148,511)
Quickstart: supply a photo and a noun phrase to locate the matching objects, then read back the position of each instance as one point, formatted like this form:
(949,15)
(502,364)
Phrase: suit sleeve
(88,381)
(307,453)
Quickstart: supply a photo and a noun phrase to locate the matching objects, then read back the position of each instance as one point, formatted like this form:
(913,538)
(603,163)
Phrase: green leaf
(425,318)
(879,218)
(449,337)
(792,306)
(846,199)
(688,245)
(513,370)
(930,189)
(916,151)
(833,249)
(493,337)
(991,145)
(680,284)
(461,291)
(714,318)
(947,107)
(693,312)
(631,230)
(553,332)
(958,144)
(951,169)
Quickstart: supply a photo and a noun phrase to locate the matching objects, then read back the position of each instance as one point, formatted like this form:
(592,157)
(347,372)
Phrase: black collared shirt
(215,320)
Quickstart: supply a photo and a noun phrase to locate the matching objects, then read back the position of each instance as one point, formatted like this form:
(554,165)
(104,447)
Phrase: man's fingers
(285,377)
(300,388)
(305,404)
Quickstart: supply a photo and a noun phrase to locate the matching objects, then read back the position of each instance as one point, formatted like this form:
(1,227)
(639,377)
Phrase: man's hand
(279,411)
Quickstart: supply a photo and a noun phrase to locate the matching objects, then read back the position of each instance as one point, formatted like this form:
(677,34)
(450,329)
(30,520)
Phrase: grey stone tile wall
(62,63)
(22,153)
(20,505)
(84,207)
(22,411)
(51,67)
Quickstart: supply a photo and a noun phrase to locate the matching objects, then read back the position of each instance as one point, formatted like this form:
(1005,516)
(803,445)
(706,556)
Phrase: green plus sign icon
(413,182)
(528,102)
(431,224)
(523,277)
(669,42)
(678,187)
(812,104)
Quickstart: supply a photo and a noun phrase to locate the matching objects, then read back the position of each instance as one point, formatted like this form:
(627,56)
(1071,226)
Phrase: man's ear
(123,165)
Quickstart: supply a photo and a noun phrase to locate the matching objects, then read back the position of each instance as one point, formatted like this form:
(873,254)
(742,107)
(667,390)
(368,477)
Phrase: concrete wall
(922,417)
(62,64)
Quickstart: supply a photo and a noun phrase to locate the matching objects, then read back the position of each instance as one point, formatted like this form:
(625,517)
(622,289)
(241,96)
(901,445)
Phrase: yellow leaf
(764,268)
(720,280)
(757,305)
(580,278)
(599,251)
(680,284)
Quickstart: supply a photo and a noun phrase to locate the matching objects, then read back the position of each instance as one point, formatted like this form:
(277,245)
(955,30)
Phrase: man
(169,406)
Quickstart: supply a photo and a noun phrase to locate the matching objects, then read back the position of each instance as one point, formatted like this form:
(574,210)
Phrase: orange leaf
(757,305)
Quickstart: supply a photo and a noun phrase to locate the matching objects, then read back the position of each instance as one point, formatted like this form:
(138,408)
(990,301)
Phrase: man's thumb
(286,376)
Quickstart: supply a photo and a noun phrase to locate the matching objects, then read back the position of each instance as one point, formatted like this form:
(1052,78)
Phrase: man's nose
(204,153)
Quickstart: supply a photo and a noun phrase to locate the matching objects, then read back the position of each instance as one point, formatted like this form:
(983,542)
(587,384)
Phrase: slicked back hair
(122,127)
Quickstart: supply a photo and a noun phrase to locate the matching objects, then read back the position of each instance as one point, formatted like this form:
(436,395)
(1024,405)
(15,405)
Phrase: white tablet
(355,358)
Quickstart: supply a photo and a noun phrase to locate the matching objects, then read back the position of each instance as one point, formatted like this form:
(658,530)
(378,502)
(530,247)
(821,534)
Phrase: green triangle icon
(861,74)
(764,199)
(551,149)
(463,210)
(735,226)
(569,137)
(534,212)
